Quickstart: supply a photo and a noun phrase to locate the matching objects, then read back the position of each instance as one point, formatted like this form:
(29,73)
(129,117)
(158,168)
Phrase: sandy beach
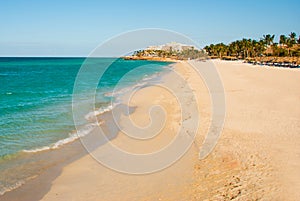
(256,158)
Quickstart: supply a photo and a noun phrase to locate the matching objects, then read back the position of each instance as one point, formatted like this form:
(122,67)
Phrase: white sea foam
(12,187)
(81,133)
(89,127)
(15,185)
(92,115)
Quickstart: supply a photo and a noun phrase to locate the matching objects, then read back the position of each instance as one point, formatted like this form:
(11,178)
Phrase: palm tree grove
(285,52)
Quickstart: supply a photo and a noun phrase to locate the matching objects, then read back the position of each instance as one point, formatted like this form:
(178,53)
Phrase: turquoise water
(36,97)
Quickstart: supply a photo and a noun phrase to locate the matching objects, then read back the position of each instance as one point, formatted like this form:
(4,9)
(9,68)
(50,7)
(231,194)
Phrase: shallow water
(36,107)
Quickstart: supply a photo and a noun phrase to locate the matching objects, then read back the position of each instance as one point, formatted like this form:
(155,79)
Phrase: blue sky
(74,28)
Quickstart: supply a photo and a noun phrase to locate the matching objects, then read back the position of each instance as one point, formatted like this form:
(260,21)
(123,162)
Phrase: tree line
(287,46)
(190,53)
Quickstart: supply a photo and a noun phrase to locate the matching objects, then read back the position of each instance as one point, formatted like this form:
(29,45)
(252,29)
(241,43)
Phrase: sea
(36,107)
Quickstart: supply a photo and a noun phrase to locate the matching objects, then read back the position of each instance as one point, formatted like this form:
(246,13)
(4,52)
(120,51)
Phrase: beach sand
(256,158)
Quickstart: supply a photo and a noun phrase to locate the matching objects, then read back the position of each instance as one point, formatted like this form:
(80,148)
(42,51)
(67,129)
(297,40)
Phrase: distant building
(173,46)
(188,47)
(157,47)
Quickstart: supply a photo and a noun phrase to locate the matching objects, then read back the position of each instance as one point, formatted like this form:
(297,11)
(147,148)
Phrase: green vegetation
(265,51)
(189,53)
(288,46)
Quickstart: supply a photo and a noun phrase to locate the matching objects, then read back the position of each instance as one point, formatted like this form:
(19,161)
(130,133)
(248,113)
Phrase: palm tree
(248,46)
(138,53)
(262,47)
(289,44)
(240,48)
(257,48)
(282,39)
(254,48)
(220,49)
(275,49)
(209,49)
(268,39)
(291,41)
(251,48)
(293,37)
(233,49)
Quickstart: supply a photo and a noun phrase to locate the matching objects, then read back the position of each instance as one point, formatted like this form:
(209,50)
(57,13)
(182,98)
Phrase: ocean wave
(15,185)
(81,133)
(92,115)
(11,187)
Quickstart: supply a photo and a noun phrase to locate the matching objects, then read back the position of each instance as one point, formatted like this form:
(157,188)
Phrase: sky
(76,27)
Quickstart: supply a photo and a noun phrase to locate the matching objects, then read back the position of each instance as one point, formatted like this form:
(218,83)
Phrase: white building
(173,46)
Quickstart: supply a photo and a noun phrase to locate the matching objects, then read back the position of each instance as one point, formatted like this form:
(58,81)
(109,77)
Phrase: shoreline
(239,167)
(272,62)
(29,163)
(71,145)
(165,59)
